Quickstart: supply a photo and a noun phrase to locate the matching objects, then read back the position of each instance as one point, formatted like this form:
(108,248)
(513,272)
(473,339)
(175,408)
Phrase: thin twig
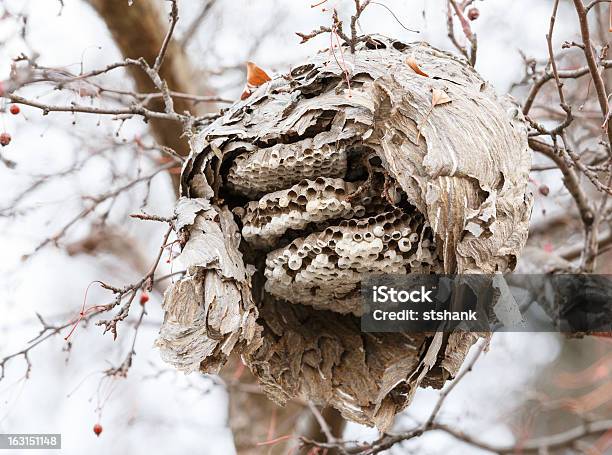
(164,47)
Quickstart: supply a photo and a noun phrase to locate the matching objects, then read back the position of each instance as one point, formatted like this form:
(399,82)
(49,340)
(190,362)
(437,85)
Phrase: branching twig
(467,31)
(130,290)
(45,333)
(164,47)
(388,441)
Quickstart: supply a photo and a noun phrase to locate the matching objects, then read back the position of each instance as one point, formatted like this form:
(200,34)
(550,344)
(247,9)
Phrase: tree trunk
(138,31)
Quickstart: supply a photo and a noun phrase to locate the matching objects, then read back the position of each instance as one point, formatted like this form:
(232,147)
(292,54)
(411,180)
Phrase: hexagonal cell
(309,202)
(325,268)
(282,165)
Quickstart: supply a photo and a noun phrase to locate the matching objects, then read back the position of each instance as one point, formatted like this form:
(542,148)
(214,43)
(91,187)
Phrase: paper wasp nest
(296,193)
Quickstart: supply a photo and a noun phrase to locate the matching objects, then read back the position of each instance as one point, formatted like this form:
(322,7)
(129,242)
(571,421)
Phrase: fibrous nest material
(327,174)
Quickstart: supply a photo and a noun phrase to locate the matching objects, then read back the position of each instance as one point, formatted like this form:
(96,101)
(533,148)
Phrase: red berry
(97,429)
(5,139)
(544,190)
(144,297)
(473,14)
(14,109)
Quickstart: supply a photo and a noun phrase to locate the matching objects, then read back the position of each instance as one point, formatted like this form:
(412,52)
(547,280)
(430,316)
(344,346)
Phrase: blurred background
(524,386)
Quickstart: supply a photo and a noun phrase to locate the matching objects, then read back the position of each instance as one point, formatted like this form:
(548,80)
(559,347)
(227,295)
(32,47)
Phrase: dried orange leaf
(245,94)
(255,77)
(411,62)
(439,97)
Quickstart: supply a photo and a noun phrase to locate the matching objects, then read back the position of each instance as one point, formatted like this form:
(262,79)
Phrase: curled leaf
(411,62)
(255,77)
(439,97)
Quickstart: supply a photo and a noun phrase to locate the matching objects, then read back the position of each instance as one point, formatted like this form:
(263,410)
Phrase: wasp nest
(295,194)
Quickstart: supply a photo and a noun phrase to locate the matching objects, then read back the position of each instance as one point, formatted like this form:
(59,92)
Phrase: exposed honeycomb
(308,202)
(282,165)
(346,229)
(324,269)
